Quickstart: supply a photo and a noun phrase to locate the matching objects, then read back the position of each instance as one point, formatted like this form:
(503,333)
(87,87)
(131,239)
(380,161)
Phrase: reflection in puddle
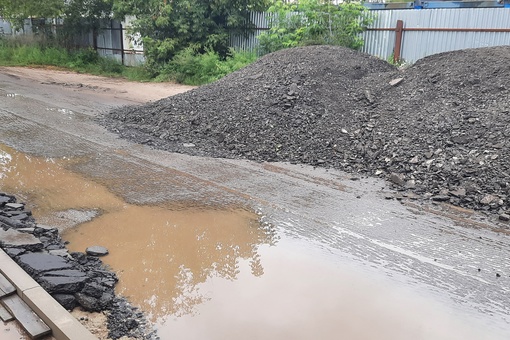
(163,255)
(308,294)
(160,254)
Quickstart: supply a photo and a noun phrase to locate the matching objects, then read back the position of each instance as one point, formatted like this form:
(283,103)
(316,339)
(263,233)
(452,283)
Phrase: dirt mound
(443,131)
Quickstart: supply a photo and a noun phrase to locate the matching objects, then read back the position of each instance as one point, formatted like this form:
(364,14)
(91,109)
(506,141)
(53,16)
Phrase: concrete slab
(63,325)
(18,277)
(30,321)
(5,315)
(14,238)
(41,262)
(6,287)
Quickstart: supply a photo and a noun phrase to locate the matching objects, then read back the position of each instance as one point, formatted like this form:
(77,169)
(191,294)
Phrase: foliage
(17,11)
(168,27)
(399,63)
(193,68)
(317,22)
(82,17)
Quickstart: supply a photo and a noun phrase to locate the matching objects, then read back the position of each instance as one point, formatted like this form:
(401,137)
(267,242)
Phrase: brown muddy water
(202,273)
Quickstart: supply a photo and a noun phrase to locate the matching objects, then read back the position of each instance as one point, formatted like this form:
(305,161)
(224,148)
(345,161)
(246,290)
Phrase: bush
(193,68)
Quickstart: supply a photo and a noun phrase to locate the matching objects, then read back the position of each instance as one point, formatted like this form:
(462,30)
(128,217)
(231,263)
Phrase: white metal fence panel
(249,41)
(417,44)
(7,29)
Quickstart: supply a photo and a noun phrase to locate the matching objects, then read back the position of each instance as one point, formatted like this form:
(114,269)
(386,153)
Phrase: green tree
(318,22)
(16,11)
(84,16)
(168,27)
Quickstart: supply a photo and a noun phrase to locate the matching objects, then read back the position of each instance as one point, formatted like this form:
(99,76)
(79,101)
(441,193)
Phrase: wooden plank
(30,322)
(6,288)
(5,315)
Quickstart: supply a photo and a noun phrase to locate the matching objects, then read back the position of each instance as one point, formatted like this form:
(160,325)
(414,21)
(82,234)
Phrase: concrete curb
(63,325)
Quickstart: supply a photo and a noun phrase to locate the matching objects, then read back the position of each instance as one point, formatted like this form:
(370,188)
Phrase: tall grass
(187,67)
(26,51)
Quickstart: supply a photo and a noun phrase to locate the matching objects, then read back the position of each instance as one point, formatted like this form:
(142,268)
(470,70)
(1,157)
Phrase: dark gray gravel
(442,132)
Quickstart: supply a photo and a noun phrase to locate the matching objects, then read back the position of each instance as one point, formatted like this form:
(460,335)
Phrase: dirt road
(341,259)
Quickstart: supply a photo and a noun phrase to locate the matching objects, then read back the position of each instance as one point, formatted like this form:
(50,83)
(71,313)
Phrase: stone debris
(96,251)
(443,123)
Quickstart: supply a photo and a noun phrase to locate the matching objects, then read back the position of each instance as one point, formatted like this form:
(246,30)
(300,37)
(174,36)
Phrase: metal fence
(429,31)
(408,34)
(113,40)
(423,31)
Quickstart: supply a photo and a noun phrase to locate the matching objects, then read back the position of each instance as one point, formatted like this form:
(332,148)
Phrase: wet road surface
(240,249)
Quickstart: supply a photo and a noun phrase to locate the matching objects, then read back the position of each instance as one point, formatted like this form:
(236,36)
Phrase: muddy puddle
(202,273)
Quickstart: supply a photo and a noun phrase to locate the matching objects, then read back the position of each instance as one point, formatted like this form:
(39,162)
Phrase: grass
(191,68)
(187,67)
(25,52)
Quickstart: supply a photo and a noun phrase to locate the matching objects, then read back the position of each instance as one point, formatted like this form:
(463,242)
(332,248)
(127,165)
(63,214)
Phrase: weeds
(187,67)
(25,51)
(192,68)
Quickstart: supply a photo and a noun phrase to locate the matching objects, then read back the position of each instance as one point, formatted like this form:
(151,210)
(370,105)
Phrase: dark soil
(443,132)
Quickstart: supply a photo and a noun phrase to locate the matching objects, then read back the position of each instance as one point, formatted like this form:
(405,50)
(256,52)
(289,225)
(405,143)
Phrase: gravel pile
(439,129)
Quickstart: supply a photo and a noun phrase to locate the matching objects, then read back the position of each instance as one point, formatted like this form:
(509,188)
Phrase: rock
(14,239)
(88,303)
(3,200)
(62,284)
(504,217)
(411,184)
(58,252)
(93,289)
(106,299)
(36,263)
(397,179)
(460,192)
(440,198)
(11,222)
(67,273)
(13,252)
(96,251)
(68,301)
(20,217)
(396,81)
(369,96)
(15,206)
(488,199)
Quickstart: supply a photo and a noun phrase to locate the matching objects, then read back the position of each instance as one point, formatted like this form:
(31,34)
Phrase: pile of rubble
(439,129)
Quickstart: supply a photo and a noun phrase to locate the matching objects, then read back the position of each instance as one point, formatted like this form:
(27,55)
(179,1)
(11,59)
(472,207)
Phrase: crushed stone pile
(440,129)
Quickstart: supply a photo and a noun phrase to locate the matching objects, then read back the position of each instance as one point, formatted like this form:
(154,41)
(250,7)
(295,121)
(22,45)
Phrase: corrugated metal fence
(431,31)
(425,31)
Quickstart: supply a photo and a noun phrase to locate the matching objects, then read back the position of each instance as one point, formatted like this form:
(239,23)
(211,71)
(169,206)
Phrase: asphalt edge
(63,325)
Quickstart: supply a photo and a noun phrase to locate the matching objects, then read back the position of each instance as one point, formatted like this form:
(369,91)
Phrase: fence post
(398,40)
(121,32)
